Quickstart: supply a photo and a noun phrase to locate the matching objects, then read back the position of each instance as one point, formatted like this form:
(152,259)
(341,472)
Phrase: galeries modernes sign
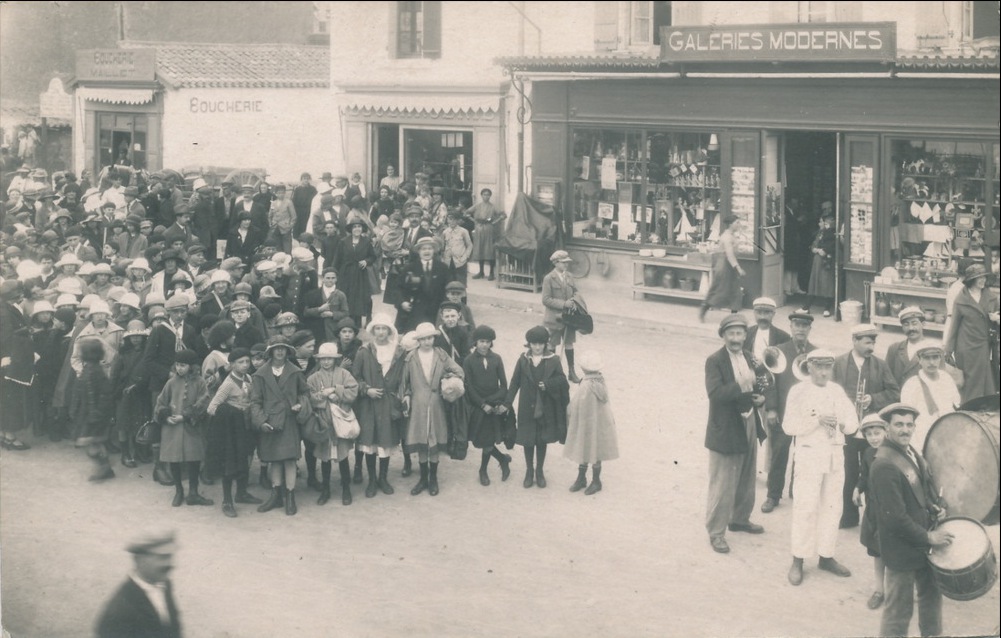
(817,42)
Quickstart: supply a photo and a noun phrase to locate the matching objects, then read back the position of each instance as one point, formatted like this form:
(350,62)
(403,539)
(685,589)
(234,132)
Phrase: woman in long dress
(484,215)
(821,286)
(354,257)
(969,341)
(725,291)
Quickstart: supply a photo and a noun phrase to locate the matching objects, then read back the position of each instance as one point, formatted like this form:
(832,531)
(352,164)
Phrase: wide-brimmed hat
(68,259)
(279,342)
(177,301)
(244,288)
(974,271)
(328,351)
(131,300)
(98,307)
(425,330)
(382,319)
(102,268)
(41,306)
(66,300)
(154,299)
(140,263)
(136,328)
(171,253)
(591,361)
(115,293)
(199,184)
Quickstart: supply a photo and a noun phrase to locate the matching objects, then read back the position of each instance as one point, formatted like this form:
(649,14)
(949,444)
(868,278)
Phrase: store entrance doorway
(386,152)
(811,161)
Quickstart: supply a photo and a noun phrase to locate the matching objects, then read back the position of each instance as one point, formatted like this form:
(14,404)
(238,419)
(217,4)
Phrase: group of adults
(816,416)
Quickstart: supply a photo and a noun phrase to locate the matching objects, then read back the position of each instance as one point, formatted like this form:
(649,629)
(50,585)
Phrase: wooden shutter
(393,45)
(432,30)
(606,26)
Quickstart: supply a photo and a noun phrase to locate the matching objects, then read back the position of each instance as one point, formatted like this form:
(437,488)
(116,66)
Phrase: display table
(649,276)
(925,297)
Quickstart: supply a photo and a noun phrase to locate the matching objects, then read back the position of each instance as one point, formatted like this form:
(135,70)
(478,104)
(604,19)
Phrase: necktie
(427,267)
(178,341)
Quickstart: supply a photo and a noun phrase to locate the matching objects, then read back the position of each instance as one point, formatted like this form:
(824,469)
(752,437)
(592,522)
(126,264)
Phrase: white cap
(764,302)
(302,254)
(140,263)
(221,275)
(131,300)
(265,265)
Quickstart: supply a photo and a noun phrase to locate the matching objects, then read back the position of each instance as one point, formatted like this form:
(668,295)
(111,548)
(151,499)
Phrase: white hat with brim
(66,300)
(102,268)
(41,306)
(425,330)
(930,347)
(765,303)
(265,265)
(131,300)
(68,259)
(140,264)
(98,307)
(221,276)
(382,319)
(328,351)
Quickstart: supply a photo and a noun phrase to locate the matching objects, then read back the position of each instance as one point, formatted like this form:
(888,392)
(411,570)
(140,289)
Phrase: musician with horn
(820,416)
(869,383)
(763,334)
(794,352)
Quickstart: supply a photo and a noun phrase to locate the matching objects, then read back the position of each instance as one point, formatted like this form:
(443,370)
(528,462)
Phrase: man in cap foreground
(144,604)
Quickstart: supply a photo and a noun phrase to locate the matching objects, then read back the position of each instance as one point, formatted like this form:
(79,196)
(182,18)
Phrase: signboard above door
(116,65)
(812,42)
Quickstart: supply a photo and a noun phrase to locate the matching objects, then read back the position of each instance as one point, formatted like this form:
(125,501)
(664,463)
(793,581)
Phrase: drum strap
(929,400)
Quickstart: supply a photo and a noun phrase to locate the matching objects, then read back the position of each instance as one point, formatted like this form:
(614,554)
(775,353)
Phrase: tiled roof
(939,62)
(183,65)
(597,62)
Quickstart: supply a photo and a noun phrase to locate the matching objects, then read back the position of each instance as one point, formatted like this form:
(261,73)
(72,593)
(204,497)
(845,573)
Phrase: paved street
(632,560)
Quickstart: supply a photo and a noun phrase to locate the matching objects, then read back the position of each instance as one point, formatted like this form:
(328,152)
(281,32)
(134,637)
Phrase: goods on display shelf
(742,204)
(686,277)
(886,300)
(861,211)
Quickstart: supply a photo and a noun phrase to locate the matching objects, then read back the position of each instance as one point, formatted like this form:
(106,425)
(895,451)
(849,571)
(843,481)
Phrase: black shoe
(312,483)
(228,509)
(594,487)
(505,463)
(422,484)
(195,498)
(749,528)
(324,495)
(246,498)
(127,460)
(540,478)
(358,478)
(274,501)
(581,481)
(769,505)
(290,508)
(477,276)
(372,488)
(719,544)
(491,277)
(102,475)
(484,478)
(383,480)
(433,480)
(178,499)
(529,478)
(833,566)
(346,495)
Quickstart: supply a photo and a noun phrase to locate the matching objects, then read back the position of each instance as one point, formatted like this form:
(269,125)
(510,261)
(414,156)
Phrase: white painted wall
(284,130)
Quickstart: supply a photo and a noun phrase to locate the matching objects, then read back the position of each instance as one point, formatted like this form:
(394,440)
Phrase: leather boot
(384,477)
(358,478)
(505,463)
(274,500)
(129,454)
(408,466)
(373,481)
(796,572)
(162,474)
(540,477)
(423,483)
(571,371)
(228,510)
(265,480)
(433,480)
(178,497)
(581,481)
(290,508)
(324,492)
(595,485)
(345,469)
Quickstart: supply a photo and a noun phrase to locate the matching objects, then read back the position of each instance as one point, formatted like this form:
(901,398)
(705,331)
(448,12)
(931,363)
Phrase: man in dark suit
(902,357)
(414,231)
(164,341)
(907,507)
(800,324)
(763,334)
(868,382)
(732,434)
(244,240)
(17,365)
(144,605)
(424,282)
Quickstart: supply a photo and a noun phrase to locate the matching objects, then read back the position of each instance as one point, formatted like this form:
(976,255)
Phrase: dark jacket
(235,247)
(725,432)
(424,292)
(130,614)
(901,366)
(879,381)
(901,493)
(778,336)
(158,358)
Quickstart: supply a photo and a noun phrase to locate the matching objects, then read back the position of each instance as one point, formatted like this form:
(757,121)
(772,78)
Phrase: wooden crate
(516,273)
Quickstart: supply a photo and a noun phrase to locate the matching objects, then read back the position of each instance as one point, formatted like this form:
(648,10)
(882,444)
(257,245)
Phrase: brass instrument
(799,368)
(772,362)
(859,394)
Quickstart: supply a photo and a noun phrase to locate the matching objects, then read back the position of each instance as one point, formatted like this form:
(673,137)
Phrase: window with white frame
(814,11)
(645,20)
(980,19)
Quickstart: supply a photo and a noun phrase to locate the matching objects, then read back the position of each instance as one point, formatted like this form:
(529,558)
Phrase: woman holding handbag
(378,367)
(332,390)
(427,429)
(279,399)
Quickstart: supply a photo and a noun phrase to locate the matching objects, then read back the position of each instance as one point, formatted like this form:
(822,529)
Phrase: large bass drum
(965,569)
(962,452)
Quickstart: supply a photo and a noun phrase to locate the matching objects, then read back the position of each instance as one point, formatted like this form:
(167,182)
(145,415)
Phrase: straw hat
(328,351)
(425,330)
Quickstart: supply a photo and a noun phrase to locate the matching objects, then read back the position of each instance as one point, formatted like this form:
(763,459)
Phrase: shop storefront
(455,139)
(200,106)
(649,155)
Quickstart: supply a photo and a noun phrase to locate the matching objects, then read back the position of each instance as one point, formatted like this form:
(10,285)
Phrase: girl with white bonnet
(591,434)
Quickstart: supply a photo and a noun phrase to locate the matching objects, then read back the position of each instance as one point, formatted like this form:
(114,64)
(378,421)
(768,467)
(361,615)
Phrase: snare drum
(966,568)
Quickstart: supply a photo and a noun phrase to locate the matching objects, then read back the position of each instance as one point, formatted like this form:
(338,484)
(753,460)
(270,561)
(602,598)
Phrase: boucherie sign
(812,42)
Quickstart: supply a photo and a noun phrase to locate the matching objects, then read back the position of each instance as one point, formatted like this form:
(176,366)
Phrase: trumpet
(859,395)
(799,368)
(772,362)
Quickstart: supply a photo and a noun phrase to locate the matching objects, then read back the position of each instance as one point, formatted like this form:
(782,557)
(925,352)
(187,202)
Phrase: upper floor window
(980,19)
(645,21)
(418,29)
(814,11)
(321,17)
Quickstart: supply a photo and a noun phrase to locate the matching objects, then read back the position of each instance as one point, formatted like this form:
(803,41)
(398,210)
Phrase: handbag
(452,389)
(148,433)
(577,318)
(315,430)
(345,422)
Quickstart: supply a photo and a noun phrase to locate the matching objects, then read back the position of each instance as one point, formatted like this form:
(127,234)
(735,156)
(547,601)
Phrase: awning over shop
(421,105)
(115,96)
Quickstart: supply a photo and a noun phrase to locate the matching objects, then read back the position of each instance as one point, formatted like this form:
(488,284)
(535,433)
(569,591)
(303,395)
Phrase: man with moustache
(732,435)
(800,324)
(144,604)
(870,385)
(763,334)
(902,357)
